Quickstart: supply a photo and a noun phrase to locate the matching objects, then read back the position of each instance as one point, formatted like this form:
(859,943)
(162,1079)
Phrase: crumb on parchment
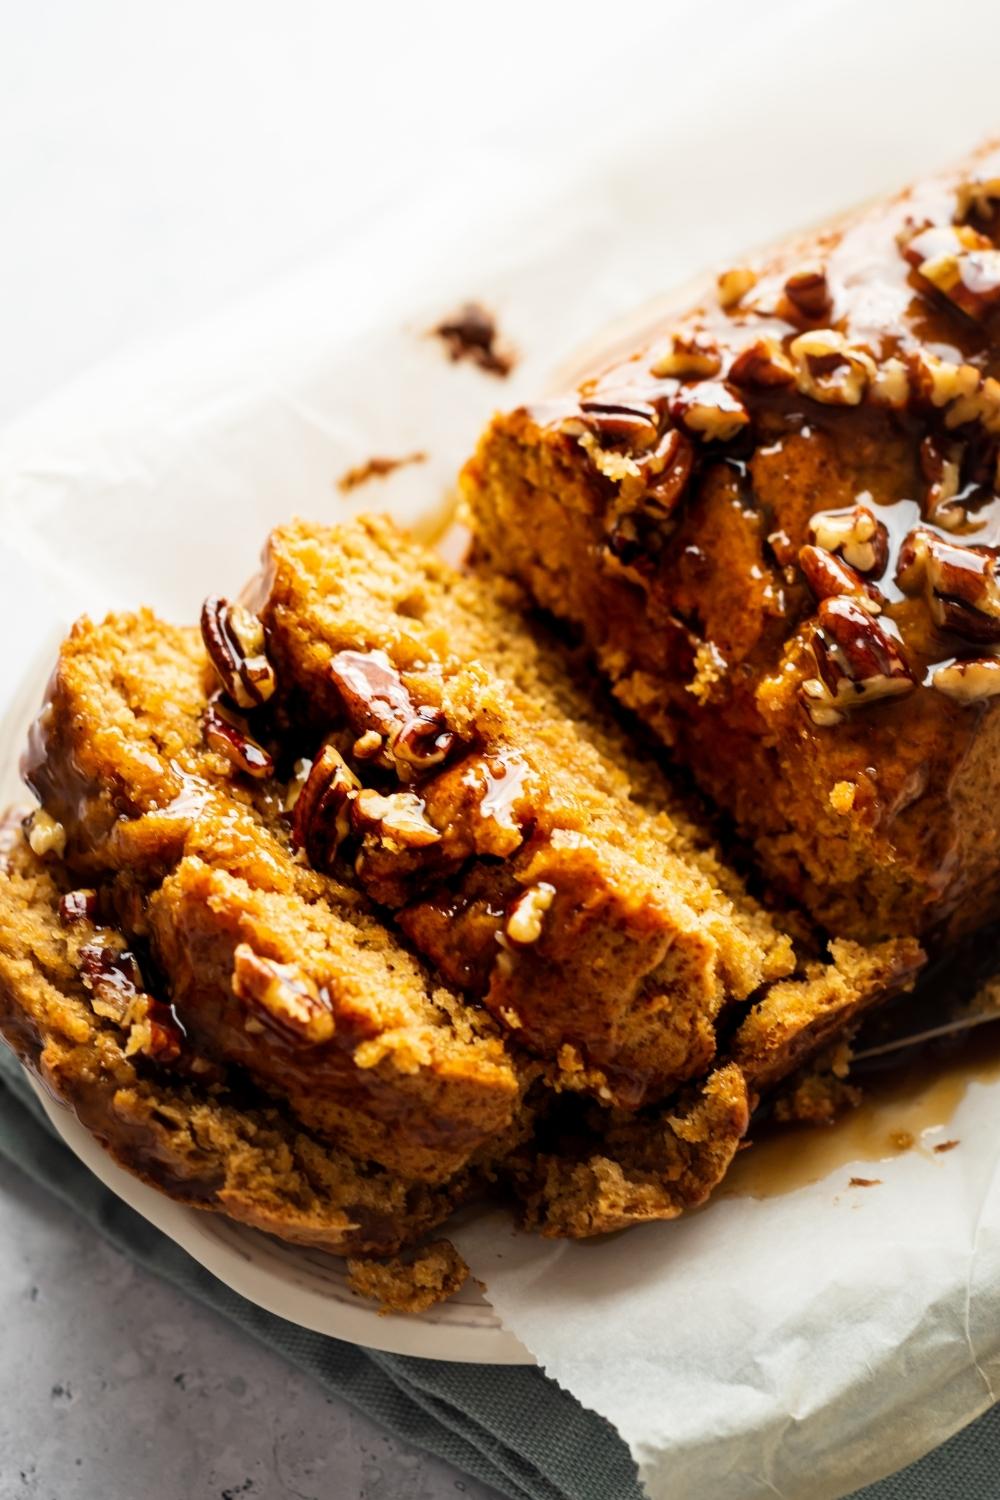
(376,468)
(409,1284)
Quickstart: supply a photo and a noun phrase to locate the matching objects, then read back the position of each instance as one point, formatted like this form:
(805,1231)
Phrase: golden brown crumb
(943,1146)
(842,797)
(376,468)
(865,1182)
(409,1285)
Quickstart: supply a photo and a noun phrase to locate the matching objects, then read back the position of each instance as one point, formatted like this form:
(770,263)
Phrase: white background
(158,162)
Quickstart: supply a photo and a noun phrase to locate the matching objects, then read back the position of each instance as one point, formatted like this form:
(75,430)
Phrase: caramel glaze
(683,571)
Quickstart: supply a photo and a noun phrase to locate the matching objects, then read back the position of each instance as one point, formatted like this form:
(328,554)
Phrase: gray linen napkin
(510,1427)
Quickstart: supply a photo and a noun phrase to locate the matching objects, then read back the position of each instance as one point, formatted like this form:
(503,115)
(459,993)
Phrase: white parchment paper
(798,1346)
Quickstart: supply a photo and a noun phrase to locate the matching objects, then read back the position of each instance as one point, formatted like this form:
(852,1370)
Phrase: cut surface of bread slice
(273,966)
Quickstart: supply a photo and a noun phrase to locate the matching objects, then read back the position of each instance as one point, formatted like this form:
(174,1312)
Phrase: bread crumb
(865,1182)
(409,1285)
(842,797)
(710,667)
(376,468)
(946,1145)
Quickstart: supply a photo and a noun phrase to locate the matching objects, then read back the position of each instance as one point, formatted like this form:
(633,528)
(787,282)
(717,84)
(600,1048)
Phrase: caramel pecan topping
(829,369)
(959,583)
(281,996)
(969,681)
(941,381)
(711,411)
(397,822)
(227,733)
(762,363)
(858,663)
(234,640)
(77,906)
(831,577)
(322,812)
(527,914)
(114,979)
(733,286)
(664,473)
(632,422)
(960,263)
(855,535)
(979,196)
(689,357)
(809,292)
(377,701)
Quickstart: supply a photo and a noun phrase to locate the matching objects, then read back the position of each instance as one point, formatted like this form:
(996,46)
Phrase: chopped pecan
(941,381)
(978,196)
(711,411)
(762,363)
(890,385)
(855,534)
(690,356)
(524,920)
(734,284)
(941,466)
(234,640)
(77,906)
(960,263)
(226,732)
(281,996)
(830,577)
(664,473)
(377,701)
(858,663)
(960,583)
(969,681)
(809,292)
(397,822)
(45,835)
(114,979)
(829,369)
(322,813)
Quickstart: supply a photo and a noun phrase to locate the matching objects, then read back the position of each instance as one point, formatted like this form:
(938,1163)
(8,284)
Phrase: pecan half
(969,681)
(829,369)
(321,818)
(855,535)
(857,662)
(234,640)
(281,996)
(377,701)
(809,292)
(959,583)
(227,733)
(690,356)
(831,577)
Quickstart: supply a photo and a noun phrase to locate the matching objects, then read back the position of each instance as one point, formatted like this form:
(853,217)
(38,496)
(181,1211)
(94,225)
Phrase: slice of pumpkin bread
(274,966)
(528,850)
(74,1008)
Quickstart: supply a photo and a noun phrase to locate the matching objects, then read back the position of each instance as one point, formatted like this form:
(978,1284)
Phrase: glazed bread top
(776,522)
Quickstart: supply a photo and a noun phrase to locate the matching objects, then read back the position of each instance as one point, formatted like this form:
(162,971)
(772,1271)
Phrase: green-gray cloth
(509,1427)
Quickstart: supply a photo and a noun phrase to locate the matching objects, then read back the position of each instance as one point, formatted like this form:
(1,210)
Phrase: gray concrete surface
(113,1386)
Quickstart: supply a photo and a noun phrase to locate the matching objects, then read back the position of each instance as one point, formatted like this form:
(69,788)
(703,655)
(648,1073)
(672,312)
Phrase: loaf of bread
(774,520)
